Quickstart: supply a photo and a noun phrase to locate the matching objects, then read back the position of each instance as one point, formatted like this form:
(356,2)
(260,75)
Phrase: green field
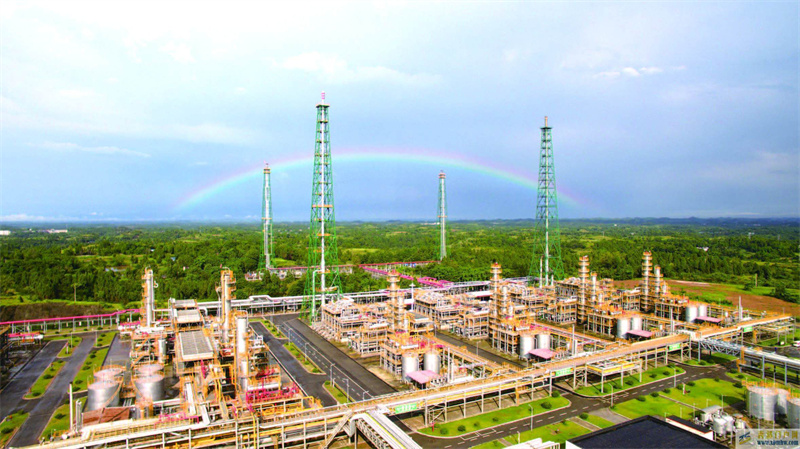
(58,423)
(92,362)
(310,366)
(104,339)
(272,328)
(41,384)
(713,359)
(630,381)
(652,406)
(707,392)
(72,343)
(11,423)
(336,392)
(599,422)
(558,433)
(494,418)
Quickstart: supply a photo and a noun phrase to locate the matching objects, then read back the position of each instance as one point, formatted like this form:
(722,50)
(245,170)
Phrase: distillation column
(225,290)
(266,217)
(149,297)
(442,218)
(647,265)
(242,353)
(584,273)
(396,303)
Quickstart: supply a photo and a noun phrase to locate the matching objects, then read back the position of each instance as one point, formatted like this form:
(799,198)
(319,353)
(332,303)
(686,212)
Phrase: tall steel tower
(442,218)
(323,276)
(547,234)
(266,217)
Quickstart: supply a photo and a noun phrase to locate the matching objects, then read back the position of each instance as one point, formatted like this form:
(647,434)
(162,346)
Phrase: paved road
(11,396)
(482,353)
(347,373)
(312,384)
(55,395)
(119,353)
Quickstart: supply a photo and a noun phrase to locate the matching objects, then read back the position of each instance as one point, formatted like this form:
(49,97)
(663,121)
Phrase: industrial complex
(211,374)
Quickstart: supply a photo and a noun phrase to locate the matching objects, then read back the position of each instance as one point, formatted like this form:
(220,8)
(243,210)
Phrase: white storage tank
(729,423)
(780,402)
(793,413)
(718,423)
(104,393)
(150,387)
(107,373)
(702,310)
(543,341)
(690,314)
(148,369)
(410,365)
(431,361)
(636,323)
(761,402)
(623,326)
(525,345)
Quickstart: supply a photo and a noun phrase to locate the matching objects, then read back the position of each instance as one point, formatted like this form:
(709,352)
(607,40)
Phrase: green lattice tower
(442,215)
(322,278)
(546,261)
(267,254)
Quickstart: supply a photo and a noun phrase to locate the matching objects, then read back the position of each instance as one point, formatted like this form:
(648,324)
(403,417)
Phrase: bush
(667,373)
(614,407)
(92,355)
(495,418)
(666,390)
(7,430)
(716,379)
(671,365)
(584,415)
(654,394)
(703,362)
(59,415)
(690,383)
(556,394)
(731,371)
(547,405)
(738,385)
(629,382)
(47,376)
(476,424)
(740,376)
(444,431)
(653,375)
(641,398)
(564,422)
(36,393)
(461,428)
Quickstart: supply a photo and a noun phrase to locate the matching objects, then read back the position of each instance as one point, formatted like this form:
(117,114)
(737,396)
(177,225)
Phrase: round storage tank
(690,314)
(623,326)
(525,345)
(729,423)
(107,373)
(636,323)
(430,361)
(702,310)
(761,402)
(719,425)
(149,369)
(793,413)
(780,402)
(410,365)
(104,393)
(543,341)
(149,387)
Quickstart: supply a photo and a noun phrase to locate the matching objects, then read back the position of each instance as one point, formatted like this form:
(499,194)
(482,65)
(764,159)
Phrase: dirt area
(749,301)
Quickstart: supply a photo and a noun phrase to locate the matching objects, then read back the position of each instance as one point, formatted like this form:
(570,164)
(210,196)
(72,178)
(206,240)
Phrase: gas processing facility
(199,376)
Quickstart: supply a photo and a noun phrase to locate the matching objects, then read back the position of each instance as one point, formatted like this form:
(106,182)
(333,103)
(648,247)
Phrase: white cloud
(650,70)
(179,52)
(510,55)
(608,74)
(630,71)
(22,217)
(66,146)
(333,69)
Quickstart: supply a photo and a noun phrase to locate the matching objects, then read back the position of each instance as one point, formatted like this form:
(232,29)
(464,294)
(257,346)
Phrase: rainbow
(439,159)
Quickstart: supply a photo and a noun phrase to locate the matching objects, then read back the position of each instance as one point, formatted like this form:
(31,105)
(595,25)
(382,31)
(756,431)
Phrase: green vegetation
(599,422)
(652,406)
(336,392)
(310,366)
(44,380)
(713,359)
(706,392)
(9,425)
(558,433)
(496,444)
(495,418)
(784,340)
(104,339)
(72,343)
(85,374)
(272,328)
(58,423)
(629,381)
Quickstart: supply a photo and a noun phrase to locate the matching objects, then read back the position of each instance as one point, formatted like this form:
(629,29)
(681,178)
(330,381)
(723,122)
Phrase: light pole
(531,407)
(347,381)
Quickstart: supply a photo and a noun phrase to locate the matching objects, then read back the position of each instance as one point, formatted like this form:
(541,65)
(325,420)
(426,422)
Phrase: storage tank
(410,365)
(162,350)
(636,323)
(149,387)
(525,345)
(104,393)
(543,341)
(431,361)
(729,423)
(780,402)
(148,369)
(107,373)
(690,314)
(623,326)
(793,413)
(702,310)
(761,402)
(719,425)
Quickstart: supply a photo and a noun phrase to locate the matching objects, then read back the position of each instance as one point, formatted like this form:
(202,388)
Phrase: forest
(102,265)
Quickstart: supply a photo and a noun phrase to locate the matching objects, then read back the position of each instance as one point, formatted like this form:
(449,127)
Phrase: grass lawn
(494,418)
(298,354)
(72,343)
(713,359)
(599,422)
(104,339)
(272,329)
(707,392)
(630,381)
(58,423)
(336,392)
(11,423)
(92,362)
(496,444)
(558,433)
(45,379)
(652,406)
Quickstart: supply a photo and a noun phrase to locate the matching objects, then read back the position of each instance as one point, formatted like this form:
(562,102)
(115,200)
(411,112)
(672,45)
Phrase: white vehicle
(796,344)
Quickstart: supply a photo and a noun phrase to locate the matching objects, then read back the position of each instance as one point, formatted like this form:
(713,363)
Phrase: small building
(646,432)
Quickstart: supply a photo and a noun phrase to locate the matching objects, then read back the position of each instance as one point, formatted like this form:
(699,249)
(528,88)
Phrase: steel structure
(442,209)
(547,234)
(322,249)
(266,223)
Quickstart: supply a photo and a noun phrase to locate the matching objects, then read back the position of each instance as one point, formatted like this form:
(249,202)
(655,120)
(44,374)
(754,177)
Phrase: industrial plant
(200,375)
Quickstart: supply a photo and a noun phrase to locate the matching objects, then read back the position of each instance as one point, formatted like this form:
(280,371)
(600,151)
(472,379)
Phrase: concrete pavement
(11,396)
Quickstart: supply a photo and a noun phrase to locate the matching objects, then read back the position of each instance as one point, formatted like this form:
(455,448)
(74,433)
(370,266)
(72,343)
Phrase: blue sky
(122,110)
